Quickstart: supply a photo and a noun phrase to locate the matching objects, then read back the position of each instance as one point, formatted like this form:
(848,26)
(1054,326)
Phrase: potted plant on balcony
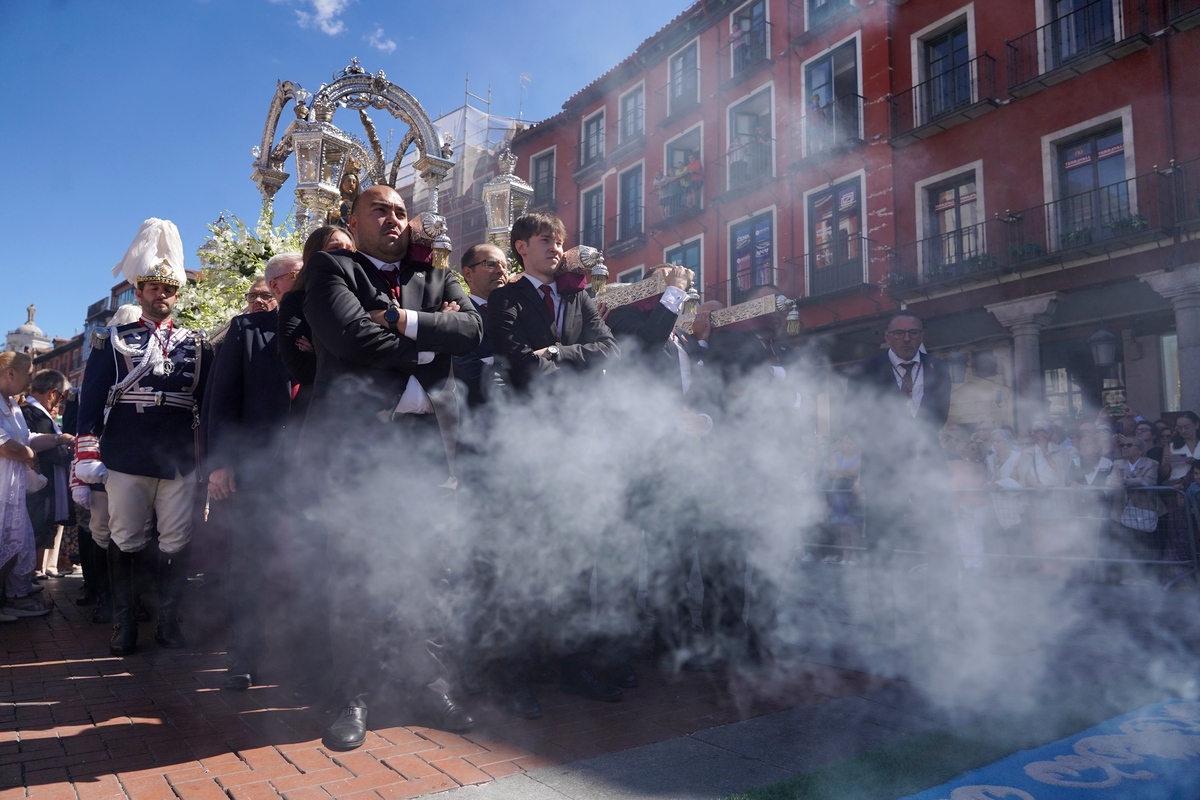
(1121,226)
(1026,250)
(899,281)
(979,262)
(1077,237)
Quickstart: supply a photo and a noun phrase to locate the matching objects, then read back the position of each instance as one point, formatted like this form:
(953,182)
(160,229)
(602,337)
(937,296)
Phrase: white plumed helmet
(156,255)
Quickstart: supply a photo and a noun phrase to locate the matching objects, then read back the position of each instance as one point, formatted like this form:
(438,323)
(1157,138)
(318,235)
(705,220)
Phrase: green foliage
(232,257)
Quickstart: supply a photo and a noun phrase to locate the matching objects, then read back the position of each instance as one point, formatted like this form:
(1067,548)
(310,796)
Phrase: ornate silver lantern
(505,197)
(322,152)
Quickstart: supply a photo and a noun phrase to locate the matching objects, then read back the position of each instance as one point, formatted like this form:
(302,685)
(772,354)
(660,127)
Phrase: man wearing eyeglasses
(899,400)
(485,268)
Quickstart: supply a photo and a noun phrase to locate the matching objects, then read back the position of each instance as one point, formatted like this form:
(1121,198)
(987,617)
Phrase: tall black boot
(103,612)
(87,560)
(121,579)
(172,578)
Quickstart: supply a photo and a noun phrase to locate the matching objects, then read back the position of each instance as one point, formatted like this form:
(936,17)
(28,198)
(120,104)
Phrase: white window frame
(583,125)
(621,114)
(861,175)
(699,77)
(921,197)
(826,53)
(700,239)
(583,209)
(769,86)
(729,277)
(641,190)
(951,20)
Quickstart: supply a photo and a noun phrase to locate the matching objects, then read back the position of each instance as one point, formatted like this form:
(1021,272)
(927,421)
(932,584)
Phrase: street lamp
(957,361)
(505,197)
(1104,348)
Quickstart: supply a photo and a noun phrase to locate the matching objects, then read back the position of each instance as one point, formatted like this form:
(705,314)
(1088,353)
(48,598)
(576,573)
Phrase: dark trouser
(387,516)
(253,513)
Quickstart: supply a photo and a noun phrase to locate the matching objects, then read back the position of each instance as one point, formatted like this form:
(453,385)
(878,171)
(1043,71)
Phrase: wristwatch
(392,316)
(552,352)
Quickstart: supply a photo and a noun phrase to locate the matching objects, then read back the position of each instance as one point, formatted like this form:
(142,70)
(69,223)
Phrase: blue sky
(118,111)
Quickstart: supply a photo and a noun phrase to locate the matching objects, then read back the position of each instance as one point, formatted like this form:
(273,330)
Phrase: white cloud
(324,16)
(380,41)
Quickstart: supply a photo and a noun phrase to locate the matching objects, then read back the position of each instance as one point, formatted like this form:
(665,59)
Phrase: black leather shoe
(519,699)
(621,674)
(583,681)
(350,729)
(239,677)
(438,710)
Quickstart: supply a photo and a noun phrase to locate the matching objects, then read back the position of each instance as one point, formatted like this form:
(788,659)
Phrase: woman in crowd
(295,336)
(1176,470)
(1135,513)
(18,449)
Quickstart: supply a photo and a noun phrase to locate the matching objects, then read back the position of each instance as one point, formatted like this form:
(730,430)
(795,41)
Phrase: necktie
(906,380)
(549,298)
(483,309)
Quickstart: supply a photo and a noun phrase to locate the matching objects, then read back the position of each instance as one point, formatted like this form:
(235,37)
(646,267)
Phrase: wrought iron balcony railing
(947,99)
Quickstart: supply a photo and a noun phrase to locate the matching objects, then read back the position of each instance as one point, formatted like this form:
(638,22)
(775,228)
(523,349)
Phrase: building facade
(1019,174)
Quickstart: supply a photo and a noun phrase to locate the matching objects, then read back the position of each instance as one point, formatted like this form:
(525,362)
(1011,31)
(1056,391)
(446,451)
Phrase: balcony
(746,52)
(955,96)
(830,129)
(629,229)
(1184,14)
(838,267)
(1075,43)
(543,194)
(1185,194)
(747,166)
(1103,221)
(630,134)
(677,200)
(589,156)
(679,97)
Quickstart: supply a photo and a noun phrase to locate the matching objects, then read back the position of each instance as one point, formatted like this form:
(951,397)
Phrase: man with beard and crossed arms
(547,336)
(381,430)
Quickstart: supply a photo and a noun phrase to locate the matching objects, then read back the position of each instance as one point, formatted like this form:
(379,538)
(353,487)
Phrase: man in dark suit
(898,400)
(382,426)
(548,337)
(484,267)
(245,411)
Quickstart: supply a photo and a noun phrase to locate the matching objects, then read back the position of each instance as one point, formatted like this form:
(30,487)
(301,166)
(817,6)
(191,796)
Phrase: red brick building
(1022,175)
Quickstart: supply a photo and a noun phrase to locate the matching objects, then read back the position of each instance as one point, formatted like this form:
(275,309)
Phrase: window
(631,275)
(629,219)
(750,143)
(748,36)
(687,255)
(953,236)
(948,72)
(592,232)
(1064,395)
(633,111)
(1094,195)
(683,91)
(752,253)
(821,10)
(1080,27)
(542,173)
(834,228)
(592,149)
(677,189)
(125,297)
(833,101)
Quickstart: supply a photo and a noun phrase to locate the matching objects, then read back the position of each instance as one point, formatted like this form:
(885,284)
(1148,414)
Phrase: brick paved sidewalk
(78,724)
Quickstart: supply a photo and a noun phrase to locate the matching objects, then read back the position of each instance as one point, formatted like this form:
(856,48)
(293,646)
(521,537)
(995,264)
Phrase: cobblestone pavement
(78,724)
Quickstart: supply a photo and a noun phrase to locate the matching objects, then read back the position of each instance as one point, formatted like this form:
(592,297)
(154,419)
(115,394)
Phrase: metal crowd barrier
(1093,532)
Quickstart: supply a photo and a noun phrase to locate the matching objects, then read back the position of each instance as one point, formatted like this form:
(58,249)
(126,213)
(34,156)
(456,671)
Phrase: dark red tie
(906,380)
(483,309)
(392,277)
(549,298)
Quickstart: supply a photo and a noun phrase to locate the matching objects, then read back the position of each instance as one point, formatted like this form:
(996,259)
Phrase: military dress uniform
(138,413)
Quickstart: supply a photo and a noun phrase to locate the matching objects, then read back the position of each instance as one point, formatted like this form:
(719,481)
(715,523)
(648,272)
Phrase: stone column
(1182,287)
(1025,319)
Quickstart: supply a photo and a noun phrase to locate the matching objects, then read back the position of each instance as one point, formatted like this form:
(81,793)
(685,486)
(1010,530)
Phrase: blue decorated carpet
(1150,754)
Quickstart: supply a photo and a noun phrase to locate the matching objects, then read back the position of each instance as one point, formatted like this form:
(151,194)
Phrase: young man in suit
(386,326)
(546,334)
(246,408)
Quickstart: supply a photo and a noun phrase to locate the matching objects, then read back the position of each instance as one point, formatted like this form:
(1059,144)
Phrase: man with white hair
(245,410)
(138,410)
